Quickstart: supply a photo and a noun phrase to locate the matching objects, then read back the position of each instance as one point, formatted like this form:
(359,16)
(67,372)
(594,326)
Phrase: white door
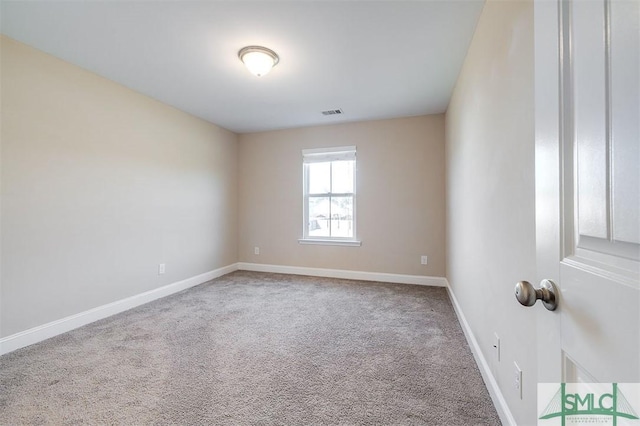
(587,56)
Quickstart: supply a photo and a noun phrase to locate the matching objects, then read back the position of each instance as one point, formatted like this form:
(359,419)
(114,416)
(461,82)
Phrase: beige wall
(400,196)
(490,193)
(99,185)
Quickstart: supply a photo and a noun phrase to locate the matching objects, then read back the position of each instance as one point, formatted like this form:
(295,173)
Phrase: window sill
(317,241)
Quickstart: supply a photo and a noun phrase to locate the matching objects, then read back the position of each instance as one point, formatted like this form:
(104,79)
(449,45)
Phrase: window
(329,196)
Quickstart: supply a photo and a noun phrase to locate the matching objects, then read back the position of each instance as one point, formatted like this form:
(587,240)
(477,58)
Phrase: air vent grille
(332,112)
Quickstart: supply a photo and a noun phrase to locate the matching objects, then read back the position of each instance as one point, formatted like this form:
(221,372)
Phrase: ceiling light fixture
(258,60)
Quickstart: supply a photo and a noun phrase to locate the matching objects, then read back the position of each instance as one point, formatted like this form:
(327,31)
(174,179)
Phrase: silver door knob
(527,295)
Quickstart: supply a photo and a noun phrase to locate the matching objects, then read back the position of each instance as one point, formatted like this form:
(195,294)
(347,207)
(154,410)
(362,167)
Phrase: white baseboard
(54,328)
(345,274)
(492,385)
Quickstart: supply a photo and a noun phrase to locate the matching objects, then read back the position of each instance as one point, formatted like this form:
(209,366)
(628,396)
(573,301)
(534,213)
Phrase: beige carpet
(257,349)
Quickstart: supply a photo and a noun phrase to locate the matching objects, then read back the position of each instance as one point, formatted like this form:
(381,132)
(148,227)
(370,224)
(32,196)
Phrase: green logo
(586,403)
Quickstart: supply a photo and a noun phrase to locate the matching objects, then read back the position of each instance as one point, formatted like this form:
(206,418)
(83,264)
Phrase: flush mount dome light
(258,60)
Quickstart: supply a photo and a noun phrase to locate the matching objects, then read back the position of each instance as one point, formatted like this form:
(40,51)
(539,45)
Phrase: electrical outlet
(496,346)
(518,379)
(161,269)
(256,250)
(423,260)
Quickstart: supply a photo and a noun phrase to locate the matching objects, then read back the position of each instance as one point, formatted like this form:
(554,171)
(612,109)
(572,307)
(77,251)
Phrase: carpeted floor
(253,348)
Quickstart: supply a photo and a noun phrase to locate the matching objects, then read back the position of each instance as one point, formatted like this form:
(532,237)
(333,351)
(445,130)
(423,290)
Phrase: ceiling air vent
(332,112)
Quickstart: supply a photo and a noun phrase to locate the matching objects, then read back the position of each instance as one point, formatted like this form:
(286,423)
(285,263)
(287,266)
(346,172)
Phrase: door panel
(588,188)
(625,120)
(600,328)
(593,320)
(589,112)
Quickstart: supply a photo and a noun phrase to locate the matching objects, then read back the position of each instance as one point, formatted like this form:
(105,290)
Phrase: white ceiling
(374,60)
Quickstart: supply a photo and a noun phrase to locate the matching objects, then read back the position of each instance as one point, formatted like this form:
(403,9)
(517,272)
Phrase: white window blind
(345,153)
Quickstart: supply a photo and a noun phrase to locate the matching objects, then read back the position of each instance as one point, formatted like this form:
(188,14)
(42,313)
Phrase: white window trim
(331,242)
(320,155)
